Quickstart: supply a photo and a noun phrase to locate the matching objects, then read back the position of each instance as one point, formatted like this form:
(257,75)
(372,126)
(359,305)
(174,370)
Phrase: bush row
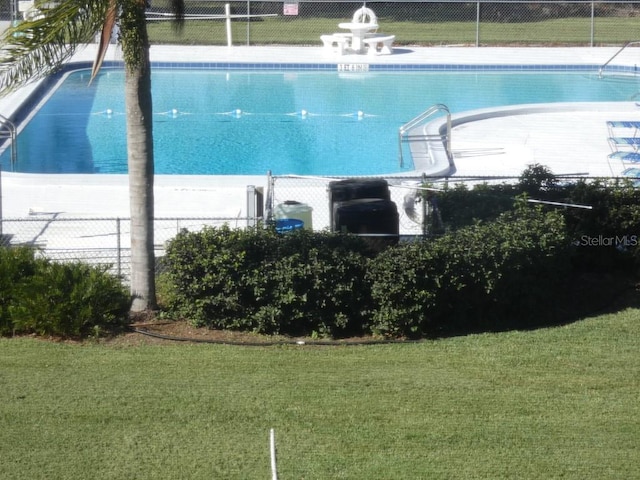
(48,298)
(598,213)
(486,275)
(262,281)
(495,275)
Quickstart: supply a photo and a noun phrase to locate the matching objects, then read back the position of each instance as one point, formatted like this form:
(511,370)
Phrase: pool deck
(568,140)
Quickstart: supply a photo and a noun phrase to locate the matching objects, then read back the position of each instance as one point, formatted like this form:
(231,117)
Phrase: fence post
(227,13)
(255,204)
(268,213)
(248,22)
(478,24)
(118,247)
(593,15)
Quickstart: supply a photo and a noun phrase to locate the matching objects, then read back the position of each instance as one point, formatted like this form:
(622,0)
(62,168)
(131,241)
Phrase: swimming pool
(217,122)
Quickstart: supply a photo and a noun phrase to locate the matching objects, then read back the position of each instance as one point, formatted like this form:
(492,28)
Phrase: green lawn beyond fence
(412,22)
(611,31)
(552,403)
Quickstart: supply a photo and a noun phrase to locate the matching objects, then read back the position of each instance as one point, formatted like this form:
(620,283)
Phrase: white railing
(407,133)
(8,131)
(634,42)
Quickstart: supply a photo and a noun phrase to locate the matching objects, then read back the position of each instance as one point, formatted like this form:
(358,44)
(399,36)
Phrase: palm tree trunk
(141,177)
(34,49)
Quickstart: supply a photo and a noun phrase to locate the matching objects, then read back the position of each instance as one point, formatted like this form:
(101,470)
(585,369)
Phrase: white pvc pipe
(274,470)
(227,13)
(560,204)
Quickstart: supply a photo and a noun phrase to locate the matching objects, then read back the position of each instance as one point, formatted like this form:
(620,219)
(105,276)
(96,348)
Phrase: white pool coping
(569,139)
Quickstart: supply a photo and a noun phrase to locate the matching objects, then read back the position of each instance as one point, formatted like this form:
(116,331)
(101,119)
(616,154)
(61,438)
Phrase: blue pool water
(212,122)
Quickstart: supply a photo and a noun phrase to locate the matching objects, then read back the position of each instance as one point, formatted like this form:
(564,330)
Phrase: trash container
(366,216)
(291,209)
(377,220)
(285,225)
(356,189)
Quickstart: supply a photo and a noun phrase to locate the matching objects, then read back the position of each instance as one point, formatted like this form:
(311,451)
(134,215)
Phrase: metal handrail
(415,122)
(615,55)
(8,130)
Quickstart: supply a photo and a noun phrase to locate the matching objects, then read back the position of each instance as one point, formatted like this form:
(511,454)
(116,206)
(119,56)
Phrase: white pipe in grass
(274,470)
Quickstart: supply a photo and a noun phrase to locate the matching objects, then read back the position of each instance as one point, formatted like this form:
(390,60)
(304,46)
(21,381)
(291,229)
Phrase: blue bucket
(285,225)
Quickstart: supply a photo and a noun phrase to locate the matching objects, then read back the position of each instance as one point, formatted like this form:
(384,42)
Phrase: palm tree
(37,47)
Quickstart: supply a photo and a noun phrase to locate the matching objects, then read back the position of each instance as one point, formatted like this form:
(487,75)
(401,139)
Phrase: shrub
(611,224)
(481,277)
(461,206)
(205,270)
(17,266)
(535,179)
(606,237)
(298,283)
(69,300)
(502,263)
(318,290)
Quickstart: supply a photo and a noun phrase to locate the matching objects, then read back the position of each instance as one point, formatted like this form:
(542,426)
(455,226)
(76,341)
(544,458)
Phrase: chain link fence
(424,23)
(98,241)
(418,23)
(106,241)
(383,211)
(315,193)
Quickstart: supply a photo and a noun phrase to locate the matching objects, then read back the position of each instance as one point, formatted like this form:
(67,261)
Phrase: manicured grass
(307,31)
(553,403)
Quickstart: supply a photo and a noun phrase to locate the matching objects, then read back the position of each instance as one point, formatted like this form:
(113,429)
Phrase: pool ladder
(8,131)
(405,132)
(634,42)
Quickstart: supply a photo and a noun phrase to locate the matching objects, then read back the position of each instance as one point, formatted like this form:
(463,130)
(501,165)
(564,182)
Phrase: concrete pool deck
(568,141)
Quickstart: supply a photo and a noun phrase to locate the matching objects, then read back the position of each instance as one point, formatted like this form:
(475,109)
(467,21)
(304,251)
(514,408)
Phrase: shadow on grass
(587,295)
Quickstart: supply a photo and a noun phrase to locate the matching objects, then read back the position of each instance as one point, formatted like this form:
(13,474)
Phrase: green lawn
(553,403)
(307,31)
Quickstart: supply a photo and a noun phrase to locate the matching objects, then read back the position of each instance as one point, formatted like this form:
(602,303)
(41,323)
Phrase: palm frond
(33,49)
(105,36)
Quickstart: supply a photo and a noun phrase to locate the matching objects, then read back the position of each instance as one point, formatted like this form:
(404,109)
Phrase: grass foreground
(561,402)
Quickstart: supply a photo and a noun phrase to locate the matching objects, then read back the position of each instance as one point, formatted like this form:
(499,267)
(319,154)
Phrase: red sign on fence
(290,8)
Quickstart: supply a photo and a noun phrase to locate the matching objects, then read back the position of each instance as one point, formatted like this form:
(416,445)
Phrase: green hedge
(61,299)
(306,283)
(17,266)
(488,276)
(300,283)
(606,236)
(496,261)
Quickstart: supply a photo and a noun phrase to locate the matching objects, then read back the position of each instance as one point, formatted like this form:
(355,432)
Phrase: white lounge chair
(626,157)
(614,125)
(632,174)
(617,142)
